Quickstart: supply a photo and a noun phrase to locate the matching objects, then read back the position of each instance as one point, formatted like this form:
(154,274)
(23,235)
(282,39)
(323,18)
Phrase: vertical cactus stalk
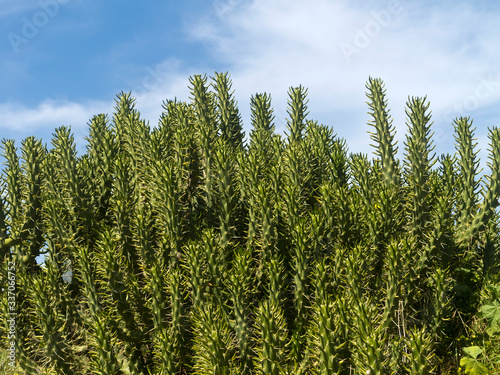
(213,349)
(297,110)
(466,268)
(384,131)
(437,236)
(249,172)
(225,180)
(271,347)
(207,130)
(102,151)
(262,115)
(361,171)
(104,360)
(192,175)
(301,275)
(439,305)
(276,274)
(124,116)
(31,231)
(491,251)
(68,206)
(70,188)
(490,202)
(294,190)
(178,325)
(103,354)
(154,271)
(124,207)
(166,351)
(419,162)
(368,336)
(122,291)
(268,225)
(58,349)
(255,167)
(227,111)
(195,259)
(87,273)
(167,206)
(240,285)
(327,211)
(393,292)
(324,333)
(13,188)
(468,185)
(389,194)
(216,265)
(3,214)
(439,242)
(368,340)
(420,353)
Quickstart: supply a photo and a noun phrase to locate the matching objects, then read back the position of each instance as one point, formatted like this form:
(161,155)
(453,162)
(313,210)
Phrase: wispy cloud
(445,50)
(18,121)
(157,83)
(442,51)
(16,117)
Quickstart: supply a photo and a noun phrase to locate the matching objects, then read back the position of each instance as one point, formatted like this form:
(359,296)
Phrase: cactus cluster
(189,248)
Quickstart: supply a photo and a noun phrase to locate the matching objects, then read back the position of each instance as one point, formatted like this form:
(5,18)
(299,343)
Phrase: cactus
(240,285)
(212,343)
(228,114)
(187,249)
(272,347)
(419,163)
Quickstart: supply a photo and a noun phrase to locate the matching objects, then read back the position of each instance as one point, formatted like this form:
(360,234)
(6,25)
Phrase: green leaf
(491,311)
(473,367)
(473,351)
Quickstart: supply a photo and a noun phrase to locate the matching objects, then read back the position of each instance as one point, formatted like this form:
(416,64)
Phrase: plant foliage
(188,248)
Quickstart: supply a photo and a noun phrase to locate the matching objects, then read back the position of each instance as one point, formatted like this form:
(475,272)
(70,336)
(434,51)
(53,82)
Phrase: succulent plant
(188,248)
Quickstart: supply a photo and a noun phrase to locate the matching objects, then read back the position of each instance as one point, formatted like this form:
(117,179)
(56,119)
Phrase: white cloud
(165,81)
(52,114)
(18,121)
(160,82)
(443,51)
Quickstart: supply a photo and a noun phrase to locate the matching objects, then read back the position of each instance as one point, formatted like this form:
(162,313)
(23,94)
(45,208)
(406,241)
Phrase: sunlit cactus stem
(206,128)
(241,288)
(490,202)
(467,183)
(183,247)
(228,114)
(226,182)
(419,162)
(301,268)
(271,346)
(297,110)
(384,130)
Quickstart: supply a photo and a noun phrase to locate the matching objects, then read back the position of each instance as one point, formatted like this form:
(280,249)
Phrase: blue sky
(63,61)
